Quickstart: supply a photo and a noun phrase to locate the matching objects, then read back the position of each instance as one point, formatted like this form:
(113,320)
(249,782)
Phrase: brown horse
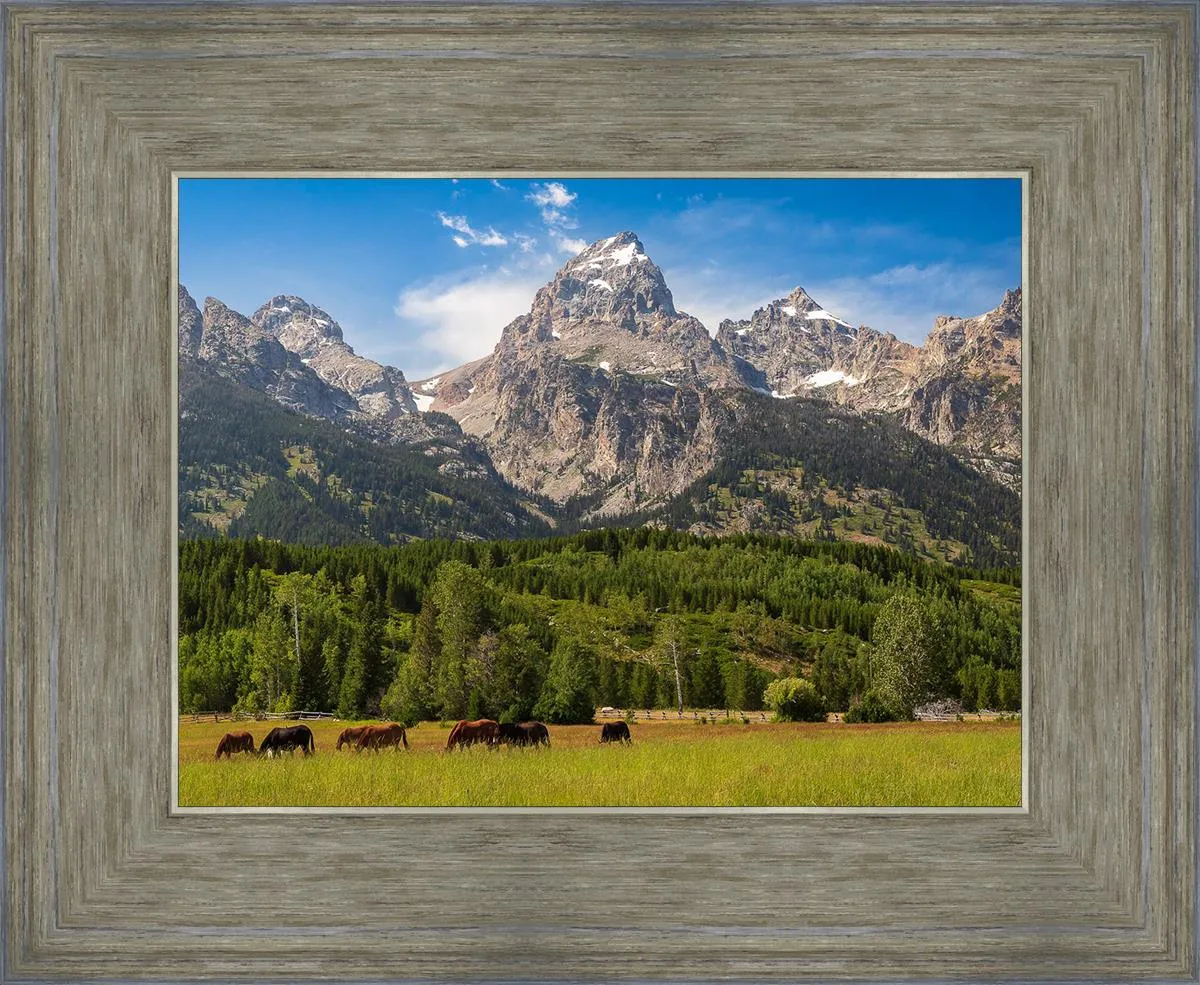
(349,736)
(468,733)
(387,736)
(235,742)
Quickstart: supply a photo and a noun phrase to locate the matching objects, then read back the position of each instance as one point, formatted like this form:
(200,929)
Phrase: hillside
(809,468)
(249,467)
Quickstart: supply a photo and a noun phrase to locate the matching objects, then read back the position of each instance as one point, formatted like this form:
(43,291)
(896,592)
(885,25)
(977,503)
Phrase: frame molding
(103,101)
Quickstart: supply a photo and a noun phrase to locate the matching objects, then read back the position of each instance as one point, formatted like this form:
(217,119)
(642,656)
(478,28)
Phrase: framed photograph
(756,557)
(189,477)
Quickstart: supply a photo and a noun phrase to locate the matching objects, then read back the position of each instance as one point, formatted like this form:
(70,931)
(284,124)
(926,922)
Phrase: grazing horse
(614,732)
(349,736)
(288,739)
(235,742)
(382,737)
(536,734)
(468,733)
(508,734)
(525,734)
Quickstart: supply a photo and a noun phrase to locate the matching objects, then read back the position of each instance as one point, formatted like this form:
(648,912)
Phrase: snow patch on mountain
(823,315)
(830,376)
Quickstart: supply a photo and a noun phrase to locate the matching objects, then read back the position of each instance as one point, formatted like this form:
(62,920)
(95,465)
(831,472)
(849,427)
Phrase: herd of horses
(393,736)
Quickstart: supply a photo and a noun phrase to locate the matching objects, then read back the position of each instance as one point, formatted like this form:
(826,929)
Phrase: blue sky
(423,274)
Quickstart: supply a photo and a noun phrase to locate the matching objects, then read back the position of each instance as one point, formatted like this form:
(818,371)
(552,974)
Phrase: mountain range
(605,405)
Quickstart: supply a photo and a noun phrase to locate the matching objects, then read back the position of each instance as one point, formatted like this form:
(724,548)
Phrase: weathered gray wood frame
(103,102)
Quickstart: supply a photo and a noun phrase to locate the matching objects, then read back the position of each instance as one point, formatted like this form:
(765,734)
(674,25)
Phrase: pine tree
(566,696)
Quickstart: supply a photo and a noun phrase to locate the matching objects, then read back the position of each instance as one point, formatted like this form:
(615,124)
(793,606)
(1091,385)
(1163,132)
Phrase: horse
(525,734)
(536,734)
(235,742)
(468,733)
(508,734)
(349,736)
(291,738)
(382,737)
(614,732)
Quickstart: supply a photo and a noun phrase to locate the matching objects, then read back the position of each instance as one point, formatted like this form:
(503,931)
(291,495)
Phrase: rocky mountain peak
(612,280)
(1011,305)
(223,327)
(987,343)
(794,346)
(801,300)
(191,323)
(303,328)
(609,308)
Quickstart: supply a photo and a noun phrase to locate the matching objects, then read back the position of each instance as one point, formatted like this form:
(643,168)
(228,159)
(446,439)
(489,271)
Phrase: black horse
(289,739)
(536,734)
(525,734)
(614,732)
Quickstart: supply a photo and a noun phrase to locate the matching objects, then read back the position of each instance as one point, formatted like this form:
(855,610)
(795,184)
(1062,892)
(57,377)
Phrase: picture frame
(1095,878)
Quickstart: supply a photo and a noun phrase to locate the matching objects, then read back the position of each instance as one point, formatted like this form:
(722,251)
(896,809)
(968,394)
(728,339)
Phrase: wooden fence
(261,716)
(689,714)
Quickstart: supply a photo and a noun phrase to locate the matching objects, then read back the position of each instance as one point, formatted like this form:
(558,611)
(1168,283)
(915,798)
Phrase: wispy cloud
(571,246)
(454,321)
(554,201)
(468,236)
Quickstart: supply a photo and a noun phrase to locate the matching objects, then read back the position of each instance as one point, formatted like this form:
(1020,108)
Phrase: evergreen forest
(555,627)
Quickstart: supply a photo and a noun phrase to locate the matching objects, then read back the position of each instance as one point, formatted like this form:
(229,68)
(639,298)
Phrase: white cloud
(553,200)
(497,184)
(470,236)
(526,244)
(456,322)
(572,246)
(492,238)
(552,193)
(554,218)
(456,222)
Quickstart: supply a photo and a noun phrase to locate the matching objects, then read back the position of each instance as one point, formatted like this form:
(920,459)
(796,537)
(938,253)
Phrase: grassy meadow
(669,764)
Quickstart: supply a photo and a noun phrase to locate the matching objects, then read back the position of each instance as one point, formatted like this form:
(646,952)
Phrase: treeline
(554,627)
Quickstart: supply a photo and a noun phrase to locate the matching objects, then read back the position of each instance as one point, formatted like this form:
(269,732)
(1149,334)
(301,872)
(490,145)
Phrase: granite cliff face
(794,348)
(380,393)
(603,389)
(229,345)
(961,389)
(968,392)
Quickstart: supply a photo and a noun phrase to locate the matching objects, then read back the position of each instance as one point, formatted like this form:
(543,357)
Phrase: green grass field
(669,764)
